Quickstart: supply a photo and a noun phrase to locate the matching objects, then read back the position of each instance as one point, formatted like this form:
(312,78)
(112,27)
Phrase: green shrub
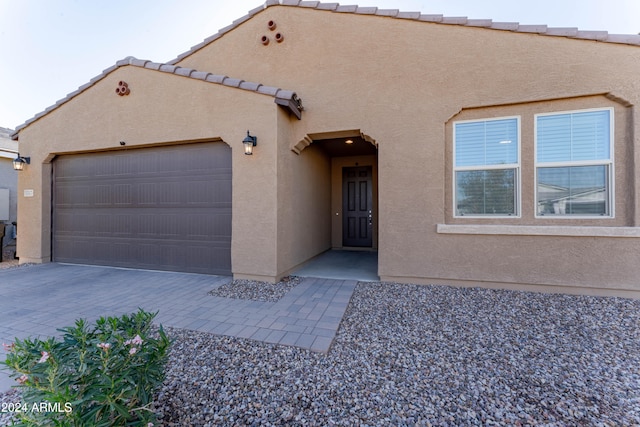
(105,375)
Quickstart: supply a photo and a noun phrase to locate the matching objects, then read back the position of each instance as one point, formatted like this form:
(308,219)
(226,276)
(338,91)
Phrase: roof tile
(153,65)
(167,68)
(232,82)
(328,6)
(242,19)
(388,12)
(485,23)
(505,26)
(312,4)
(455,20)
(541,29)
(285,94)
(566,32)
(268,90)
(624,38)
(212,38)
(408,15)
(215,78)
(137,62)
(347,9)
(593,35)
(366,10)
(431,18)
(286,98)
(256,10)
(250,86)
(200,75)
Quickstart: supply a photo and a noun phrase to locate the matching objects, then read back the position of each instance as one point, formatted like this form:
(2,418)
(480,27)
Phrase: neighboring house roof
(286,98)
(569,32)
(8,147)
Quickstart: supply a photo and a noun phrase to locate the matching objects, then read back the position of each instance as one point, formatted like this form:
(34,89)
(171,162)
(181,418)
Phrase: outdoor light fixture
(249,142)
(19,162)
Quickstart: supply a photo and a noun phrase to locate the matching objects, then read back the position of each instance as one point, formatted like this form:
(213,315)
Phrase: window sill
(535,230)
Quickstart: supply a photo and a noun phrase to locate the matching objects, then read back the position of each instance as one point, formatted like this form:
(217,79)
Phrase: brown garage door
(160,208)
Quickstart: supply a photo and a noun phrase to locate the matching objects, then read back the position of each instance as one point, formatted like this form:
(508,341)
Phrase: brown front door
(357,206)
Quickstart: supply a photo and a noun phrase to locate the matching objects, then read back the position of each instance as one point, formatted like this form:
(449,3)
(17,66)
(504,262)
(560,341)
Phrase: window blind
(571,137)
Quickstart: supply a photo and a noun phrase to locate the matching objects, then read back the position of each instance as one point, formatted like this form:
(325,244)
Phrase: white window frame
(509,166)
(609,163)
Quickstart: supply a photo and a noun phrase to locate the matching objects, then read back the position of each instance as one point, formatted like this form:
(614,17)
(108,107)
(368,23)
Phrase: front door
(357,206)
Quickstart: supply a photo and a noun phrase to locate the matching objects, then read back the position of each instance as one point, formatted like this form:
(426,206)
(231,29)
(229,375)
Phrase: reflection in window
(574,163)
(579,190)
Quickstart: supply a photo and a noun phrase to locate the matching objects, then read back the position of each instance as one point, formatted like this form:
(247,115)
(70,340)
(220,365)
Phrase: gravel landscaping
(423,355)
(256,291)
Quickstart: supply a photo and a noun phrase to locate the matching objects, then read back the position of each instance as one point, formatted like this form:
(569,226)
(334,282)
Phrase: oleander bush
(100,375)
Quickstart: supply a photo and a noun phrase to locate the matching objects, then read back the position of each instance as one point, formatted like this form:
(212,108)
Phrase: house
(445,144)
(8,186)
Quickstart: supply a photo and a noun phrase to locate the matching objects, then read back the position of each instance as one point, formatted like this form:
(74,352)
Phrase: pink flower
(8,347)
(104,345)
(44,358)
(22,379)
(149,424)
(135,341)
(133,350)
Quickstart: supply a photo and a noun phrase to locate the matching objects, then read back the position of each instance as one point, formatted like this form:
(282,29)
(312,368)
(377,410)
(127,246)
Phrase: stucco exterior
(396,84)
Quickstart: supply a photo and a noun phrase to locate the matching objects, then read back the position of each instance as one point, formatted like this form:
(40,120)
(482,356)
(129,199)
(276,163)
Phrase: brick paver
(37,300)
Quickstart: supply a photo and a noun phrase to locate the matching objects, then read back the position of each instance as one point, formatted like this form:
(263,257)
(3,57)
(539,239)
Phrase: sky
(48,48)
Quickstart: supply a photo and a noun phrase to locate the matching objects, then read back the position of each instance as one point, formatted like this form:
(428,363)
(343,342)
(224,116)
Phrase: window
(574,163)
(486,167)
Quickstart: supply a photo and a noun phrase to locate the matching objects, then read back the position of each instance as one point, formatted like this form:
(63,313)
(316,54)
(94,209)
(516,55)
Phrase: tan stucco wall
(161,109)
(304,198)
(402,82)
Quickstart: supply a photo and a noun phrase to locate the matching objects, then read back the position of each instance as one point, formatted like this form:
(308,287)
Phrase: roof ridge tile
(455,20)
(418,16)
(482,23)
(215,78)
(408,15)
(328,6)
(292,102)
(347,9)
(540,29)
(431,18)
(232,82)
(562,31)
(366,10)
(312,4)
(388,12)
(505,26)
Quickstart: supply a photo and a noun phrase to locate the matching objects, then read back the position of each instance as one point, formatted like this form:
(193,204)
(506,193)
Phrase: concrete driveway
(36,300)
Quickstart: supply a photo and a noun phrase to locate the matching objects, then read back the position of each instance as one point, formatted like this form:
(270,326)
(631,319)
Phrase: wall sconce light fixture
(249,142)
(19,162)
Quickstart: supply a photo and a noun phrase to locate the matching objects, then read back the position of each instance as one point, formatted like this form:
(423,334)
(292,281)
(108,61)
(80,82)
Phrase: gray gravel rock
(255,290)
(423,355)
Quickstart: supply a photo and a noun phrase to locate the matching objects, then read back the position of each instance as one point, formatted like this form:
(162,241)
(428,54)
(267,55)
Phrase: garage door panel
(171,213)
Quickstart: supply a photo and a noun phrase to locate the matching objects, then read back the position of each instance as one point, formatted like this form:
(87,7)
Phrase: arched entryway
(352,182)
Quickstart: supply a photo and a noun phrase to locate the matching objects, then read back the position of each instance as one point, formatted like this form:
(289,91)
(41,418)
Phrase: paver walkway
(37,300)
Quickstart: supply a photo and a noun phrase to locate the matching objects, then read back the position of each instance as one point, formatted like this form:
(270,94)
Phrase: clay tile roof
(600,36)
(287,98)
